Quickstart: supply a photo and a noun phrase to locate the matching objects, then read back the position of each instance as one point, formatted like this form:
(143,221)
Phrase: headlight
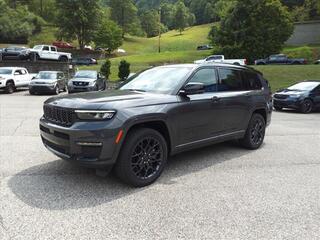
(91,84)
(95,114)
(295,96)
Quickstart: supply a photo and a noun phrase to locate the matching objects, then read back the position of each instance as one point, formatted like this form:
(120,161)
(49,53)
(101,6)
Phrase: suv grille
(81,84)
(60,116)
(281,96)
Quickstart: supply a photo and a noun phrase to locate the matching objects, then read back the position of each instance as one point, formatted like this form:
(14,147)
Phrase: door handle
(215,99)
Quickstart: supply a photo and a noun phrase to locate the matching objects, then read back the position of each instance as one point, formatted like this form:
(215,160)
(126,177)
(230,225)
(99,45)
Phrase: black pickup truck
(280,59)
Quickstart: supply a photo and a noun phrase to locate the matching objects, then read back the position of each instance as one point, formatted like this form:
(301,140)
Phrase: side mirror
(193,88)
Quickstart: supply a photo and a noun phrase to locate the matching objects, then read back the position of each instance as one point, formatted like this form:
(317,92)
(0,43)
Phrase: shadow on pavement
(59,185)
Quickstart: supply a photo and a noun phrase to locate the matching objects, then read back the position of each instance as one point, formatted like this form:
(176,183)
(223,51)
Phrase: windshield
(46,75)
(304,86)
(37,47)
(86,74)
(160,80)
(5,71)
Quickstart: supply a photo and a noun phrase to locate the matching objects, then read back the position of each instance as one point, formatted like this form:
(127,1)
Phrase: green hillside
(170,41)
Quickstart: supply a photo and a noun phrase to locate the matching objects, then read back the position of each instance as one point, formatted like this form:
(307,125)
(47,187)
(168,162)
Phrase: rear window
(230,80)
(251,81)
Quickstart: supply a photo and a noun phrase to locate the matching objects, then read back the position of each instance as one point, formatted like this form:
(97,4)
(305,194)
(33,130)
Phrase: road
(219,192)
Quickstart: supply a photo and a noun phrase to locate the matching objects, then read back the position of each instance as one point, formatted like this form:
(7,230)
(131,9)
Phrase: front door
(196,117)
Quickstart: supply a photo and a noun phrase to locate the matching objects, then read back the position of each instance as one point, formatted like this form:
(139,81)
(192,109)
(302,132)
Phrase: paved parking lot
(219,192)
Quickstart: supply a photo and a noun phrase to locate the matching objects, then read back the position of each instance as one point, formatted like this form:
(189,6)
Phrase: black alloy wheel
(306,106)
(255,133)
(146,157)
(142,158)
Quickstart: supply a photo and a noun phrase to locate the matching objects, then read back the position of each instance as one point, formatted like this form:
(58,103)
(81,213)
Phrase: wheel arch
(262,112)
(157,125)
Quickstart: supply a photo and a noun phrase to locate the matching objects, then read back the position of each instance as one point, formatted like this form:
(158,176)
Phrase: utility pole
(159,40)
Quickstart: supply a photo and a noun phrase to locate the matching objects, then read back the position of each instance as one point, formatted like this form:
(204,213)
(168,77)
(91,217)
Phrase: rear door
(54,53)
(233,100)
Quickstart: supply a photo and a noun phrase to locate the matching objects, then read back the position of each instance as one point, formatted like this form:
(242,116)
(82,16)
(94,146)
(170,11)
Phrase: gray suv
(86,81)
(157,113)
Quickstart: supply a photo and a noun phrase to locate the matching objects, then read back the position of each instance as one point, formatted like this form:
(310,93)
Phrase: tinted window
(230,80)
(45,48)
(207,77)
(53,49)
(251,81)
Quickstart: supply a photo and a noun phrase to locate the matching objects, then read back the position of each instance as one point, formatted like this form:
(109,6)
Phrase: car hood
(291,92)
(83,79)
(116,99)
(44,81)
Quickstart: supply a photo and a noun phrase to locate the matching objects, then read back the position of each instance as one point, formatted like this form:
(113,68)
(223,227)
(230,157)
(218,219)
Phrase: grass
(171,41)
(282,76)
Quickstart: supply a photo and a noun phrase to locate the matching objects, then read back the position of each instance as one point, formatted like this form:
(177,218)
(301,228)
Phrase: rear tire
(10,88)
(306,106)
(63,59)
(255,133)
(142,157)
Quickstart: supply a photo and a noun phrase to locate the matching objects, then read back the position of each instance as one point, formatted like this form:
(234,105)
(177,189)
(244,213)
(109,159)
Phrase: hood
(116,99)
(291,92)
(82,79)
(44,81)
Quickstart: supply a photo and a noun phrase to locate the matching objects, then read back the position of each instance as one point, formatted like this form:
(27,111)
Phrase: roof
(12,68)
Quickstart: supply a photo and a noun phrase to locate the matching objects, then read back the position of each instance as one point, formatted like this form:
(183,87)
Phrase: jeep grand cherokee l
(160,112)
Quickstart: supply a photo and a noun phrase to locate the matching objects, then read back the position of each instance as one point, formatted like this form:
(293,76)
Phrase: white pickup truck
(14,77)
(221,59)
(48,52)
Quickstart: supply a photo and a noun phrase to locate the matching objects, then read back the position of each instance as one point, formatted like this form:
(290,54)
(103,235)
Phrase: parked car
(162,111)
(12,78)
(303,96)
(48,82)
(88,48)
(47,52)
(85,61)
(15,52)
(280,59)
(61,44)
(120,50)
(221,59)
(86,81)
(317,62)
(204,47)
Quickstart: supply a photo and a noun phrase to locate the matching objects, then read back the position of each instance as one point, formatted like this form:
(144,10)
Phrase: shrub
(105,69)
(124,70)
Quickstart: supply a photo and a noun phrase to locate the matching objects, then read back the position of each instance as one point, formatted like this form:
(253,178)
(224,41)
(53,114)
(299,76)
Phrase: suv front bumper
(85,144)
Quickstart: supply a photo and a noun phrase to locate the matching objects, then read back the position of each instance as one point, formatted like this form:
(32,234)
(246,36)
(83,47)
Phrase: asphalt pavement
(218,192)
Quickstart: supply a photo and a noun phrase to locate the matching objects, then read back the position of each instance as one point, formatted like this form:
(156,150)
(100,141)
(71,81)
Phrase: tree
(167,15)
(17,25)
(150,22)
(181,17)
(124,70)
(78,19)
(124,13)
(105,69)
(108,36)
(264,24)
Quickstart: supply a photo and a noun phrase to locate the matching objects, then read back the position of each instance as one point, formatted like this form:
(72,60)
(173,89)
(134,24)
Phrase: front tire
(142,157)
(255,133)
(56,90)
(306,106)
(10,88)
